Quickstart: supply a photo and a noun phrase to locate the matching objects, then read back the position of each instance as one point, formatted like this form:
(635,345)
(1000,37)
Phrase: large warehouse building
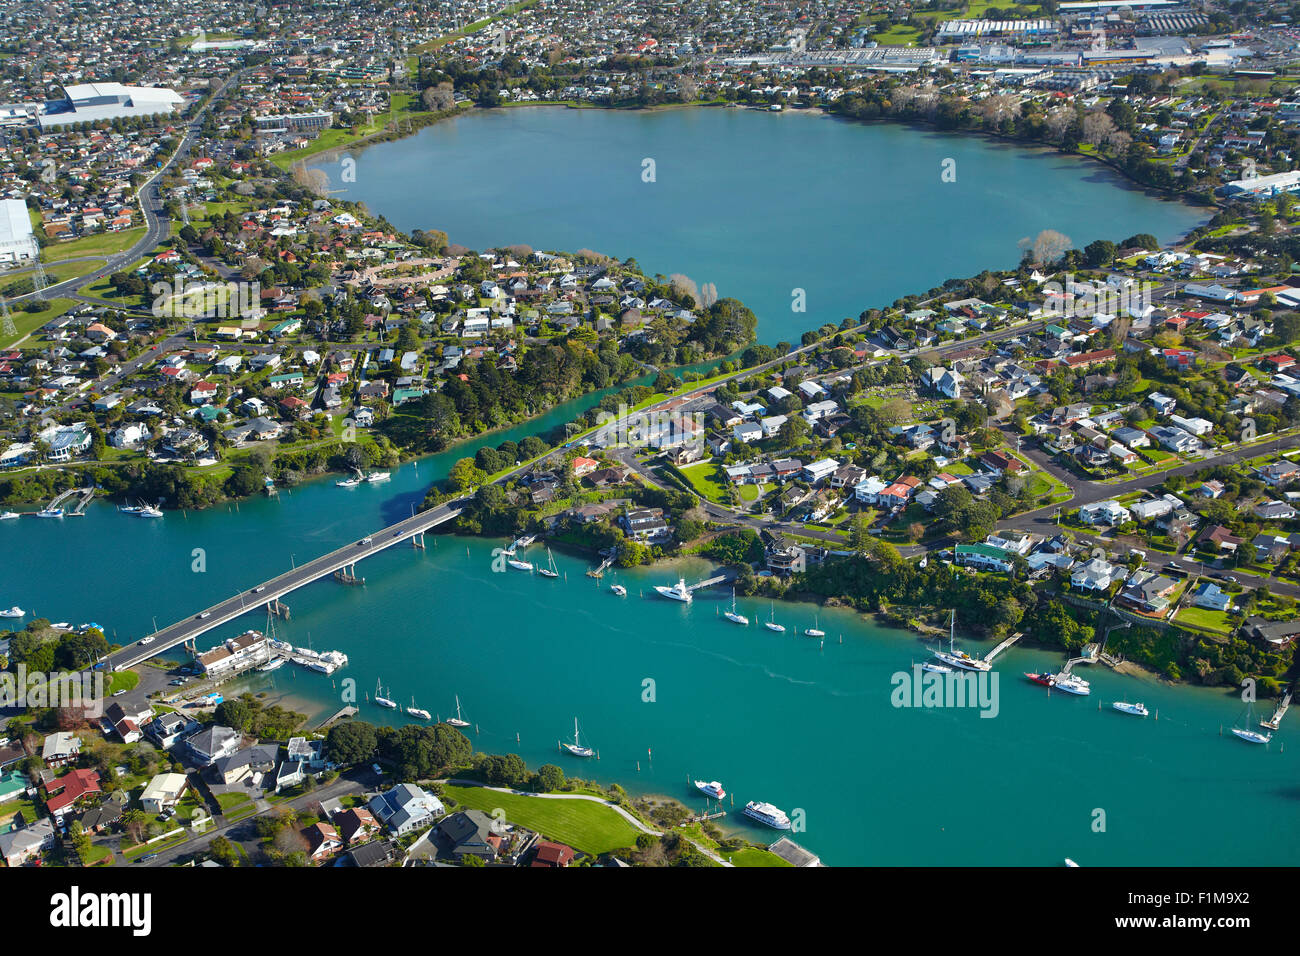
(16,240)
(92,102)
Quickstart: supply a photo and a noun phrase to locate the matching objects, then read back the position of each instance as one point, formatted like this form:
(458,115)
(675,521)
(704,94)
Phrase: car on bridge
(146,640)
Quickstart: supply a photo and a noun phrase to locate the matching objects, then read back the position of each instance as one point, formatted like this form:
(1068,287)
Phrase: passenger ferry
(766,813)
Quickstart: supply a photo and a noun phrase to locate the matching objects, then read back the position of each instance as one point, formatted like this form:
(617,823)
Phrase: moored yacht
(8,516)
(1046,679)
(1252,736)
(50,513)
(383,701)
(519,564)
(418,711)
(766,813)
(576,748)
(771,624)
(934,668)
(1137,710)
(676,592)
(272,665)
(378,476)
(711,788)
(549,571)
(14,611)
(618,589)
(347,482)
(458,721)
(732,615)
(1072,684)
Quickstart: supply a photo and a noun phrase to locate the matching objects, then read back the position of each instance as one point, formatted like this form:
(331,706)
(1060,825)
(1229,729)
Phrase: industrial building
(94,102)
(16,240)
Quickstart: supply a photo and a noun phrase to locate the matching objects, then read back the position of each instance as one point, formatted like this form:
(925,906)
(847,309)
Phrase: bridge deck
(259,596)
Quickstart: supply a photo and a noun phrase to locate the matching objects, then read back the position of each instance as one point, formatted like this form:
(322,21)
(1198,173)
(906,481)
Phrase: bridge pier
(417,540)
(278,609)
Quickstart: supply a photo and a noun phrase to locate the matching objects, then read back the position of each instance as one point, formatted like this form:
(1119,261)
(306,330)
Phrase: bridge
(269,592)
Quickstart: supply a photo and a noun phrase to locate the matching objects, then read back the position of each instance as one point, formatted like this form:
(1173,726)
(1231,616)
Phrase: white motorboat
(934,668)
(767,813)
(676,592)
(273,665)
(14,611)
(50,513)
(618,589)
(458,721)
(347,482)
(1072,684)
(378,476)
(710,788)
(733,616)
(576,748)
(520,565)
(9,516)
(149,511)
(1137,710)
(1070,863)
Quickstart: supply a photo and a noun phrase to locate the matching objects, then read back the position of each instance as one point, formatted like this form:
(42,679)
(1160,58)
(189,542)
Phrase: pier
(267,595)
(334,718)
(1003,646)
(83,496)
(1089,655)
(1275,721)
(599,572)
(709,582)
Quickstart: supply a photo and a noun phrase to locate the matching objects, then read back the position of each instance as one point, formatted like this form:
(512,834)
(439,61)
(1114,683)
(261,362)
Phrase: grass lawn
(98,854)
(708,481)
(27,322)
(748,493)
(104,244)
(123,680)
(229,801)
(590,827)
(14,807)
(1204,618)
(752,856)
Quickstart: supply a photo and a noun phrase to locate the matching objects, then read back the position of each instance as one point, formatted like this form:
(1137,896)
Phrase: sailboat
(814,631)
(549,571)
(733,615)
(383,701)
(771,624)
(956,658)
(1251,736)
(418,711)
(518,563)
(457,721)
(576,747)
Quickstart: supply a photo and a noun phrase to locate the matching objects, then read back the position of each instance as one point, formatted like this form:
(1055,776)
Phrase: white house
(819,470)
(163,791)
(1108,512)
(747,432)
(1096,575)
(1210,595)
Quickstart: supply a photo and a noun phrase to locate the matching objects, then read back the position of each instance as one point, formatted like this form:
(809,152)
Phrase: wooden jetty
(1003,646)
(1275,721)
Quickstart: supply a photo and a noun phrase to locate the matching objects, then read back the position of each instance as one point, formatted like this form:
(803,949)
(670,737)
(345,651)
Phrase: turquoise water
(777,718)
(759,204)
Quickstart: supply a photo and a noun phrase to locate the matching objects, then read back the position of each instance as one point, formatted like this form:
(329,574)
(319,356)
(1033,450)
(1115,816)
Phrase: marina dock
(334,718)
(1283,705)
(1003,646)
